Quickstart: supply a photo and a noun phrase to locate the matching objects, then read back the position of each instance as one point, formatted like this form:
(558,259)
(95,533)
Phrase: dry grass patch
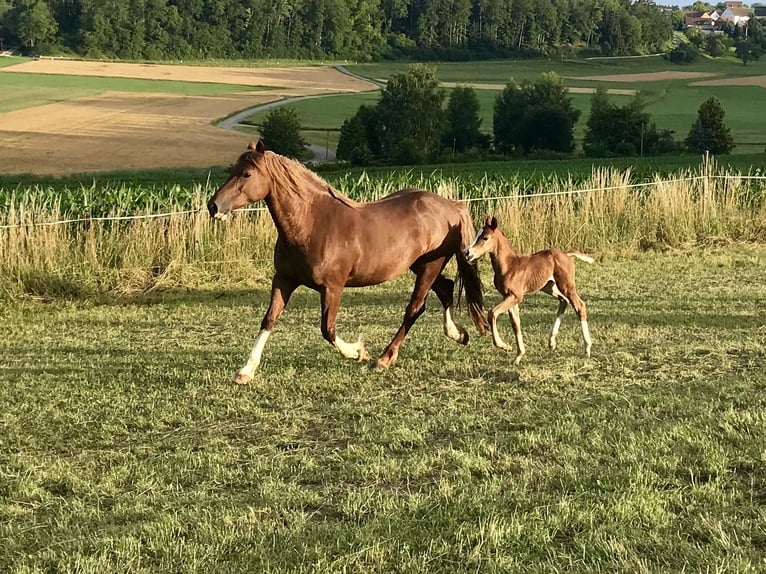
(120,130)
(296,81)
(758,81)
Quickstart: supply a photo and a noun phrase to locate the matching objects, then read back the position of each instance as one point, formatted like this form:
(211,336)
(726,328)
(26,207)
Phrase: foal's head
(246,183)
(485,240)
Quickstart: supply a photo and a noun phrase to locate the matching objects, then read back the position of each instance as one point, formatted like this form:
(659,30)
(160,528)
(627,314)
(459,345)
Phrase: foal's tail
(468,275)
(581,256)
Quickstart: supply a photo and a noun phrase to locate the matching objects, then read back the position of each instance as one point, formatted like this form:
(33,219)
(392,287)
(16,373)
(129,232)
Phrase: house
(737,16)
(759,12)
(701,20)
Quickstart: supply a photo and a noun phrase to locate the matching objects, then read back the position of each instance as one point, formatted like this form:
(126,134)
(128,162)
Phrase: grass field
(673,102)
(21,91)
(130,451)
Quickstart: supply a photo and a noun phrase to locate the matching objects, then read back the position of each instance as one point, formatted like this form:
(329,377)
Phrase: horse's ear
(492,222)
(257,146)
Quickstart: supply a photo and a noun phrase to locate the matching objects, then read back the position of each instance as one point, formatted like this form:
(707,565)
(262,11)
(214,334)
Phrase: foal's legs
(557,323)
(444,288)
(513,313)
(426,275)
(506,304)
(568,290)
(330,300)
(281,289)
(552,289)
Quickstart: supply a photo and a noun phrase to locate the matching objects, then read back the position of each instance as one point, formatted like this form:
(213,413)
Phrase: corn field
(54,244)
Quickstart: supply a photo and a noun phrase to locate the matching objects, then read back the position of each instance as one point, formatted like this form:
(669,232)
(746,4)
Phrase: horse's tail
(468,275)
(581,256)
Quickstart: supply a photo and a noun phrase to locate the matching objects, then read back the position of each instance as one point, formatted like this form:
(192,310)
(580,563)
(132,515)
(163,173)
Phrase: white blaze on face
(472,247)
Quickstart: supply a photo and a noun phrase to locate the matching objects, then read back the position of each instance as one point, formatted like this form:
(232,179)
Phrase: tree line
(353,29)
(411,124)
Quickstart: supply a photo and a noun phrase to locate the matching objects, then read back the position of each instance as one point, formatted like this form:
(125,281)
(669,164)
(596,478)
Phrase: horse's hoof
(464,338)
(517,360)
(241,379)
(378,365)
(364,356)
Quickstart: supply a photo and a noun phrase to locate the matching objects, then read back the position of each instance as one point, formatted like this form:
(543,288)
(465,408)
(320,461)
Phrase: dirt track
(645,77)
(120,130)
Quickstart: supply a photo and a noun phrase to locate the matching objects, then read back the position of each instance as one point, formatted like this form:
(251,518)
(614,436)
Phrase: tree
(462,121)
(34,22)
(624,131)
(708,132)
(523,111)
(410,116)
(747,51)
(281,132)
(353,145)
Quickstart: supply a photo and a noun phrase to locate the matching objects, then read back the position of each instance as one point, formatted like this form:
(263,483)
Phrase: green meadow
(130,451)
(672,103)
(126,449)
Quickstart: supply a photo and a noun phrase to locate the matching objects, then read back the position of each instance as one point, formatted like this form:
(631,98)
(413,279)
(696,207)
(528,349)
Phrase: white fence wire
(466,200)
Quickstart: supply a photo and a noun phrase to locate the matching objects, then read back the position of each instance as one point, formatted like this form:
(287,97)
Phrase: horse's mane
(292,175)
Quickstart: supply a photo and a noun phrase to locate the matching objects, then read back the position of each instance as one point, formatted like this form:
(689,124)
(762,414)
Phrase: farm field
(131,451)
(61,117)
(673,93)
(92,117)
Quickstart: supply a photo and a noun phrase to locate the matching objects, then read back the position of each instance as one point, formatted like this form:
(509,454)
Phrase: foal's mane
(291,175)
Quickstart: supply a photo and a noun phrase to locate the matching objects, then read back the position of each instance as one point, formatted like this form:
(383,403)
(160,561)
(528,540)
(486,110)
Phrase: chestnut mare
(551,271)
(326,242)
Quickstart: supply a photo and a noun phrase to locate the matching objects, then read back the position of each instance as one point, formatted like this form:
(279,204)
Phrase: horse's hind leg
(444,289)
(582,314)
(557,322)
(569,291)
(426,275)
(281,289)
(330,300)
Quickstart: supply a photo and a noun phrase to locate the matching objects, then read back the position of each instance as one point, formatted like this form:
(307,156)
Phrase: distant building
(703,21)
(737,16)
(759,12)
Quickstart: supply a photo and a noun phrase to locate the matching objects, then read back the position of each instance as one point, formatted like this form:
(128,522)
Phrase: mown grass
(21,90)
(126,449)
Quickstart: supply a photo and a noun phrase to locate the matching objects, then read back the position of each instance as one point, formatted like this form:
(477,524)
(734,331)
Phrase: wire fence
(466,200)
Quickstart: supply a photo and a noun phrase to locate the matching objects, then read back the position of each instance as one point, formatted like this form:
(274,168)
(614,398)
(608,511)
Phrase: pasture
(126,449)
(673,92)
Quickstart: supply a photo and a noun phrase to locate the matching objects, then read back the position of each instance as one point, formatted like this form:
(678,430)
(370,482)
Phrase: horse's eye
(246,174)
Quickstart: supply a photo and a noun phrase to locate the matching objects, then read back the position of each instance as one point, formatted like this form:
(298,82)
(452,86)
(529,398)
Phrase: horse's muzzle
(212,208)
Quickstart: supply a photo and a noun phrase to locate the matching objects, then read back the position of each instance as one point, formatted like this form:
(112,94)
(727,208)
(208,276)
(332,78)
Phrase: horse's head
(484,242)
(247,183)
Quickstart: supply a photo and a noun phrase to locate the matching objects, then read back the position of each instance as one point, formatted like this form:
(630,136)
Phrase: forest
(359,30)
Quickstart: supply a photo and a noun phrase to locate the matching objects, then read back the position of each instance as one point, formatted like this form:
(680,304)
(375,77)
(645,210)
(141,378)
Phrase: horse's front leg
(330,300)
(505,305)
(281,289)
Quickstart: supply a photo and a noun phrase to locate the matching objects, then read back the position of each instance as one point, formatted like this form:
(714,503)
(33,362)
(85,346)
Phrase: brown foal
(551,271)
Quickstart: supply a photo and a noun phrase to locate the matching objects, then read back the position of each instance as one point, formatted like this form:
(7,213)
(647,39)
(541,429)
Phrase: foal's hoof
(464,338)
(363,355)
(241,379)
